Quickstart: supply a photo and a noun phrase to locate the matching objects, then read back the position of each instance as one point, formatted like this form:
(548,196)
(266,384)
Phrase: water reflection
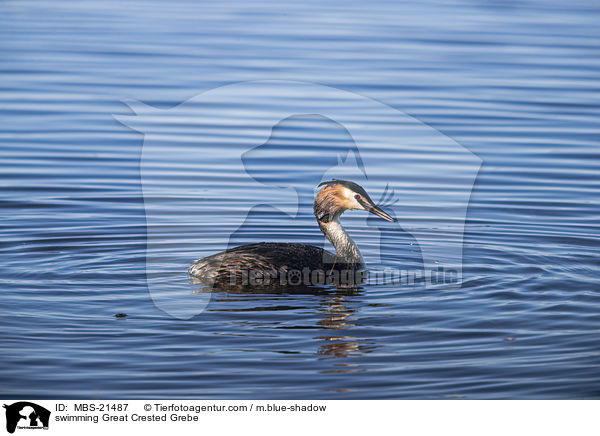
(336,315)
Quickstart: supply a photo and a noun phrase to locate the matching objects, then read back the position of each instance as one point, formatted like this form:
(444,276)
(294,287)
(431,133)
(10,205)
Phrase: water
(516,84)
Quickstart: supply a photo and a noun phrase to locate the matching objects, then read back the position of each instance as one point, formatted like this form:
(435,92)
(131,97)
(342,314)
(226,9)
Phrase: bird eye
(357,196)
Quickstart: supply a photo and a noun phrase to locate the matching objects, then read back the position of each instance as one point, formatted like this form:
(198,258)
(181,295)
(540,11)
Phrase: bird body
(269,263)
(263,256)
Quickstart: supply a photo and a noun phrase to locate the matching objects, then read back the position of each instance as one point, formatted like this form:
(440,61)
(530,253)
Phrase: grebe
(272,259)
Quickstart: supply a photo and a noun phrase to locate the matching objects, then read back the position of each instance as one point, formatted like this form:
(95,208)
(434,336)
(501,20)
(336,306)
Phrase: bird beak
(369,207)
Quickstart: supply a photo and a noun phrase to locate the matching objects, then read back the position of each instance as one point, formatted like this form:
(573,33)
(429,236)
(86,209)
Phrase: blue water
(515,83)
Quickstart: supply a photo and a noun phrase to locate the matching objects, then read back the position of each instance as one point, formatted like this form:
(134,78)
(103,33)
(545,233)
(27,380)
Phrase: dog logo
(26,415)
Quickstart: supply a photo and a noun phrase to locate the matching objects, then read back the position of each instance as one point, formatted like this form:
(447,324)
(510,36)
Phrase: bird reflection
(336,310)
(337,316)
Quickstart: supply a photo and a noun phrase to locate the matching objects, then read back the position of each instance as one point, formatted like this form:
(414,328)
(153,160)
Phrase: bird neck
(345,247)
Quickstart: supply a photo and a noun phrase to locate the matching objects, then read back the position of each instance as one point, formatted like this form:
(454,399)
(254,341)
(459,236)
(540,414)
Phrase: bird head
(337,196)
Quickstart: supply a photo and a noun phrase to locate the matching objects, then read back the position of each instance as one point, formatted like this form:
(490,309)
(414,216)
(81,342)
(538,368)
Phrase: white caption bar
(182,417)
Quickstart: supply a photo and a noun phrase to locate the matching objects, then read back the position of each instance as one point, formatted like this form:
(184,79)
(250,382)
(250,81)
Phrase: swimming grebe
(273,259)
